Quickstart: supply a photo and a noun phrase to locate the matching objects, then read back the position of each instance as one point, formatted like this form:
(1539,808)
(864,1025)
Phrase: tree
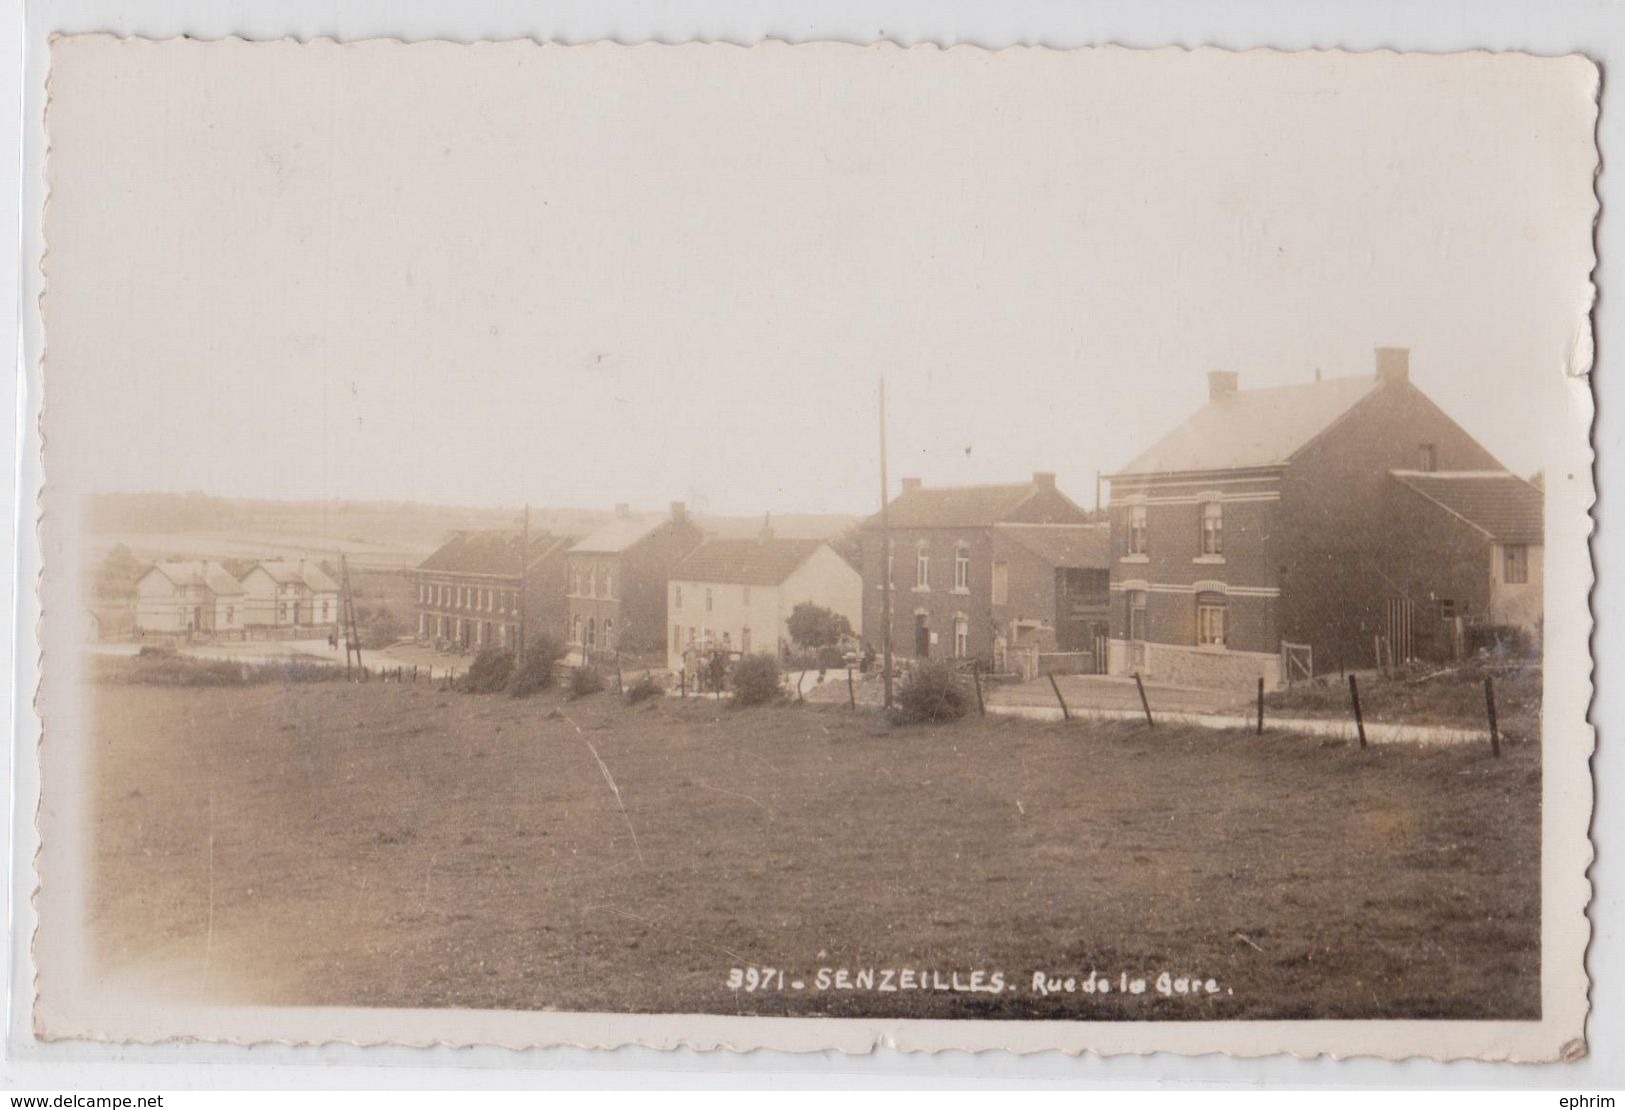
(116,575)
(814,626)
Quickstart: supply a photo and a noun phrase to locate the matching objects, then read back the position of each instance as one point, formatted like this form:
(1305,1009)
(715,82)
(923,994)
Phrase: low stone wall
(1193,666)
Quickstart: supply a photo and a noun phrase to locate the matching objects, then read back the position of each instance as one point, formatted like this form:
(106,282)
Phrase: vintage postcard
(816,546)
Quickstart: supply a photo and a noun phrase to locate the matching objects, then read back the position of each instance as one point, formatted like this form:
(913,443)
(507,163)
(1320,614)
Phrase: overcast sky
(583,276)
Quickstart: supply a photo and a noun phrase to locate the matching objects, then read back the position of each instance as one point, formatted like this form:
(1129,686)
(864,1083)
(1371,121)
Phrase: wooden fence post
(1260,705)
(851,690)
(976,677)
(1145,702)
(1495,727)
(1066,714)
(1354,696)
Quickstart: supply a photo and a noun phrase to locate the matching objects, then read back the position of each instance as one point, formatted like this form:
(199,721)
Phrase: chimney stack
(622,509)
(1221,383)
(767,527)
(679,511)
(910,485)
(1393,364)
(1044,479)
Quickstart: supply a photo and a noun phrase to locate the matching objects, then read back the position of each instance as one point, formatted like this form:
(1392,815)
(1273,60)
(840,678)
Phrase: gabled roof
(759,562)
(490,553)
(962,506)
(618,535)
(1252,427)
(285,571)
(212,577)
(1065,545)
(1498,503)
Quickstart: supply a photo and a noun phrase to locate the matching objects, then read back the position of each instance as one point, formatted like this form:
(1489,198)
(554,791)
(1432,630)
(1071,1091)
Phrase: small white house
(187,598)
(290,593)
(739,594)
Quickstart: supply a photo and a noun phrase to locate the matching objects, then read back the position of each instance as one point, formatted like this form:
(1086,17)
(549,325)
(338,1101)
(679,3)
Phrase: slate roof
(756,562)
(956,506)
(284,571)
(1252,427)
(489,553)
(1498,503)
(1065,545)
(200,574)
(618,535)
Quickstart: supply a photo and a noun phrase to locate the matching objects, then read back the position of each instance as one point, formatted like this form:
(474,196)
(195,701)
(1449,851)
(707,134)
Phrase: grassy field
(1445,697)
(402,846)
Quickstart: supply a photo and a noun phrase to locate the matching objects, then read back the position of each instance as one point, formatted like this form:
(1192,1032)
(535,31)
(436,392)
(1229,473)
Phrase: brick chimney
(1393,364)
(1221,383)
(1044,479)
(911,484)
(679,511)
(766,533)
(622,509)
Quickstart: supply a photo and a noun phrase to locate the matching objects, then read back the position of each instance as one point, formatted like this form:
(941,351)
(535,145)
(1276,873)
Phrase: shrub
(536,672)
(585,680)
(815,626)
(756,680)
(931,693)
(644,689)
(490,672)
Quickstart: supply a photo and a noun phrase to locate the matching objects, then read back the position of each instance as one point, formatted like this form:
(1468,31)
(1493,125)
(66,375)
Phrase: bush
(756,680)
(814,626)
(490,672)
(644,689)
(585,680)
(932,692)
(536,673)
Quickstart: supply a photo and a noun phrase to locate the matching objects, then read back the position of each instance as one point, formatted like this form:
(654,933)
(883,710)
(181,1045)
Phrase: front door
(922,636)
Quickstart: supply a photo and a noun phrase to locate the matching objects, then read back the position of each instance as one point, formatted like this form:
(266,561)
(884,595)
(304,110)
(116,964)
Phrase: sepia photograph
(799,544)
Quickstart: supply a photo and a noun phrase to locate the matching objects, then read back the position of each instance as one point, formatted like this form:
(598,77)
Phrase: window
(423,593)
(744,637)
(592,582)
(708,599)
(1429,458)
(962,570)
(1001,583)
(961,637)
(1515,564)
(1136,530)
(922,570)
(325,604)
(575,581)
(1136,614)
(676,639)
(677,598)
(609,584)
(1210,620)
(691,631)
(609,634)
(282,610)
(1212,528)
(1447,609)
(231,613)
(891,571)
(490,601)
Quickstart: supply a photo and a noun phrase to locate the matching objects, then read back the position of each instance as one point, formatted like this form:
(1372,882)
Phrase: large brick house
(468,590)
(1259,536)
(738,594)
(978,571)
(616,591)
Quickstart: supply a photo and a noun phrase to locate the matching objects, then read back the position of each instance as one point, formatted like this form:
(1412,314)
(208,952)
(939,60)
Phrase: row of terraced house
(1331,524)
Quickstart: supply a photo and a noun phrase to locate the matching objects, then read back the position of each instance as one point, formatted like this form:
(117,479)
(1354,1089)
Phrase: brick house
(188,598)
(1468,550)
(290,593)
(978,571)
(1258,536)
(468,590)
(739,594)
(616,588)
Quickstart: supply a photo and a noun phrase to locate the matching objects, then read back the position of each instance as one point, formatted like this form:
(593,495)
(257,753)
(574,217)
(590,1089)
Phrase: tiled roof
(1500,504)
(489,553)
(956,506)
(200,574)
(284,571)
(1065,545)
(756,562)
(1252,427)
(619,534)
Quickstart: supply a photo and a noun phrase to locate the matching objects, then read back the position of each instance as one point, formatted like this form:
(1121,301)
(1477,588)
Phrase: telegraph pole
(524,557)
(885,566)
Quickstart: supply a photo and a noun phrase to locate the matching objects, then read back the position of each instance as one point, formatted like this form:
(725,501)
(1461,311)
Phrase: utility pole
(885,565)
(524,557)
(1097,493)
